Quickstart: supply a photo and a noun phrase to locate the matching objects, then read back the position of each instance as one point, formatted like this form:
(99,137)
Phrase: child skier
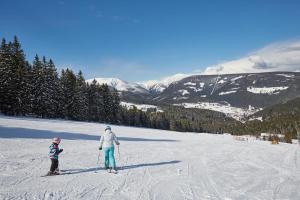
(107,143)
(53,155)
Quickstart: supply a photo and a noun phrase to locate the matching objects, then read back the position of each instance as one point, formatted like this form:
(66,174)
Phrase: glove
(61,150)
(100,148)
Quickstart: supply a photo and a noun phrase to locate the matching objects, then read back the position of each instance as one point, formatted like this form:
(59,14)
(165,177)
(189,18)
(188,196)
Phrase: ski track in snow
(153,164)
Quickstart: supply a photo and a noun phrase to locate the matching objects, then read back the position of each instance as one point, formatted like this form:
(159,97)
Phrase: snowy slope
(154,164)
(120,85)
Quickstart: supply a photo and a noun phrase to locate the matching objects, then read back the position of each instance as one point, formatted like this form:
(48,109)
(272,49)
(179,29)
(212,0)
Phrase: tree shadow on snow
(127,167)
(8,132)
(148,164)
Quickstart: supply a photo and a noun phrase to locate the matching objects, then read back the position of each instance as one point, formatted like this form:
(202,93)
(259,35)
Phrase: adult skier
(53,155)
(107,144)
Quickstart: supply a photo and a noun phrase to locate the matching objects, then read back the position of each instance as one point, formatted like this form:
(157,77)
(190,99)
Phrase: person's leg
(106,157)
(112,160)
(52,168)
(56,166)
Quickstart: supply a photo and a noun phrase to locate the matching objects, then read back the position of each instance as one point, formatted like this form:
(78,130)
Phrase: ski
(56,174)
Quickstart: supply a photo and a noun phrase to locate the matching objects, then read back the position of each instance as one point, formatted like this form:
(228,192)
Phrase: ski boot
(114,171)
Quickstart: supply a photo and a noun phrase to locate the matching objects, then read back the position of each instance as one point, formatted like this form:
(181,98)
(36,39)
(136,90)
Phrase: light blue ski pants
(109,158)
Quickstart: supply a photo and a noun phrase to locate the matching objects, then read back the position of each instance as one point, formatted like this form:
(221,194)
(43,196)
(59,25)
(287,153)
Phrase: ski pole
(98,159)
(119,153)
(121,167)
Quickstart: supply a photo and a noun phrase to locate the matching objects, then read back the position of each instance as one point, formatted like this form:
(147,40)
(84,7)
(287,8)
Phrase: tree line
(37,89)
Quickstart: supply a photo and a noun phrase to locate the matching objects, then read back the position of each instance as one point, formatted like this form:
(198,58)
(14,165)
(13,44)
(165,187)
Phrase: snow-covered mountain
(239,90)
(158,86)
(120,85)
(151,163)
(227,93)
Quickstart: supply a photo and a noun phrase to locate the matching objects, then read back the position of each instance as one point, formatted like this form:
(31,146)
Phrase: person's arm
(101,142)
(116,139)
(57,151)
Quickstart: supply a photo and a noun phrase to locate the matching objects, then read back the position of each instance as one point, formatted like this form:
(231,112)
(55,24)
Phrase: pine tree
(51,88)
(80,98)
(21,71)
(37,82)
(7,82)
(68,85)
(95,101)
(106,112)
(115,106)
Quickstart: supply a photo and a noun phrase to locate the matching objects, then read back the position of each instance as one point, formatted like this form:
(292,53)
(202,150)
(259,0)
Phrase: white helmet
(108,128)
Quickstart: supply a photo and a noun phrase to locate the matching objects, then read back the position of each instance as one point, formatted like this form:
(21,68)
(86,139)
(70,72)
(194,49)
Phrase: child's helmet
(107,128)
(56,140)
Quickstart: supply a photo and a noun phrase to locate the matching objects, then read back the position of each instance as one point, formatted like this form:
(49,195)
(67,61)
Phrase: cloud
(281,56)
(259,63)
(123,69)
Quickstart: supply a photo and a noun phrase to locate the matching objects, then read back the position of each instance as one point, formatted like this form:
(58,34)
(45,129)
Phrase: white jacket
(108,138)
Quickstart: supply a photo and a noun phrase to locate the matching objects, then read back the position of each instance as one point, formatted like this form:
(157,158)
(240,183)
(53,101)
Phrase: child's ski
(56,174)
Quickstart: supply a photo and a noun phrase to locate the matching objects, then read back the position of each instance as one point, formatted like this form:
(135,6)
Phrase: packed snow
(266,90)
(183,92)
(286,75)
(153,164)
(142,107)
(256,118)
(236,78)
(180,98)
(190,83)
(234,112)
(195,89)
(221,81)
(228,92)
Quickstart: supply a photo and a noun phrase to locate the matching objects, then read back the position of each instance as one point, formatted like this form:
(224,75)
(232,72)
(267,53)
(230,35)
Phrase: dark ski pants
(54,165)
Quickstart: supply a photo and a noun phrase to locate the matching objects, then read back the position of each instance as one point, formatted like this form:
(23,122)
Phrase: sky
(138,40)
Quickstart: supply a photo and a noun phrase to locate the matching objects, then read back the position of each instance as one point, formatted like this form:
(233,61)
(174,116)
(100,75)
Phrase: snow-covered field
(154,164)
(234,112)
(266,90)
(142,107)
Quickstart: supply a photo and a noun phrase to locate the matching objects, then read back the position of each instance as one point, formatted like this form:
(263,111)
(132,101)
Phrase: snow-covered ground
(234,112)
(154,164)
(142,107)
(266,90)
